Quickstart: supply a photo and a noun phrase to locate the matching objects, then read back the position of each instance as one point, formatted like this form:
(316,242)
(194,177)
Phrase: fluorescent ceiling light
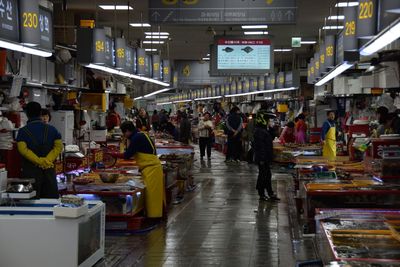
(125,74)
(150,49)
(282,90)
(24,49)
(308,42)
(158,92)
(207,98)
(205,58)
(138,98)
(207,55)
(116,7)
(387,36)
(164,103)
(153,42)
(156,37)
(283,50)
(340,17)
(346,4)
(140,25)
(333,27)
(254,27)
(183,101)
(256,33)
(333,73)
(157,33)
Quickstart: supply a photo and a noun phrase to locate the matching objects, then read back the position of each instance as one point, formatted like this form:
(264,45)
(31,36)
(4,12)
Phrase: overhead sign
(343,55)
(9,20)
(261,83)
(271,84)
(223,12)
(292,79)
(350,41)
(46,28)
(156,66)
(166,71)
(29,21)
(316,65)
(312,70)
(246,86)
(175,79)
(141,58)
(309,80)
(108,56)
(280,83)
(329,52)
(120,53)
(129,59)
(91,46)
(253,84)
(322,52)
(239,87)
(296,41)
(367,18)
(233,87)
(148,67)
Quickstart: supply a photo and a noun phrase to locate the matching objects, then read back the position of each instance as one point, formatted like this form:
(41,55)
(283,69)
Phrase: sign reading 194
(30,20)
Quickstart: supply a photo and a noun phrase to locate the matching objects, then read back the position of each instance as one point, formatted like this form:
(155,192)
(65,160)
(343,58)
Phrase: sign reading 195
(30,20)
(366,10)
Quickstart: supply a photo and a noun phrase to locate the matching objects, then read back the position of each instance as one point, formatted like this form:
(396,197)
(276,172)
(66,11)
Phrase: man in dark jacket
(263,149)
(185,128)
(234,125)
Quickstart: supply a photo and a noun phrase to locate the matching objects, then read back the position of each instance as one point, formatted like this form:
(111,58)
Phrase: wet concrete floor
(221,223)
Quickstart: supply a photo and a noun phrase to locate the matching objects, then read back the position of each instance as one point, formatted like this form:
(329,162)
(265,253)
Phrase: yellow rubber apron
(329,149)
(153,178)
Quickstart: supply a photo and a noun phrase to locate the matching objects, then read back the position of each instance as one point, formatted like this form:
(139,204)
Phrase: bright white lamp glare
(335,72)
(156,37)
(208,98)
(248,27)
(340,17)
(158,92)
(153,42)
(333,27)
(346,4)
(256,33)
(382,40)
(116,7)
(140,25)
(156,33)
(24,49)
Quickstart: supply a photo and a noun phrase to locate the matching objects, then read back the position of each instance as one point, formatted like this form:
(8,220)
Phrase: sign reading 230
(30,20)
(174,2)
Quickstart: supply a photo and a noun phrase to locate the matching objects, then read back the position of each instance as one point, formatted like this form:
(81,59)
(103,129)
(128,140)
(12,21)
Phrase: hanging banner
(280,83)
(166,71)
(322,51)
(253,84)
(309,81)
(120,46)
(91,46)
(156,66)
(175,80)
(271,84)
(233,88)
(261,83)
(350,41)
(312,70)
(29,21)
(366,18)
(129,60)
(316,65)
(9,20)
(239,87)
(46,28)
(108,55)
(246,86)
(141,61)
(329,52)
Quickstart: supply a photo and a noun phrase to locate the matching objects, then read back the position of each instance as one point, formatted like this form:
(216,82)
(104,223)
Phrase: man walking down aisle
(206,128)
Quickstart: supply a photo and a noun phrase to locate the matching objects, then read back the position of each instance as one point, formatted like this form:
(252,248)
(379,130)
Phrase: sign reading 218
(193,2)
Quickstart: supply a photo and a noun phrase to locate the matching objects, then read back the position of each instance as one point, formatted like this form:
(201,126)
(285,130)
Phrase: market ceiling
(188,42)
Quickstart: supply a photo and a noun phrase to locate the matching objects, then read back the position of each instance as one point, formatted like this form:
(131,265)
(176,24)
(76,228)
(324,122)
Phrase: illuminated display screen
(238,54)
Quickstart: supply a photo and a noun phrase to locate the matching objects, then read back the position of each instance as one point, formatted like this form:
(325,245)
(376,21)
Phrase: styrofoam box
(69,212)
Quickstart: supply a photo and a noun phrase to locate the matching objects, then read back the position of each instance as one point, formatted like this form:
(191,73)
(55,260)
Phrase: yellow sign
(281,80)
(30,20)
(141,61)
(350,28)
(366,10)
(329,51)
(156,66)
(87,23)
(312,70)
(322,58)
(317,65)
(99,46)
(273,81)
(269,2)
(120,52)
(166,70)
(186,71)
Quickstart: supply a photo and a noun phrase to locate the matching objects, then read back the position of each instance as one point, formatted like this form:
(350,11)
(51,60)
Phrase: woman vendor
(142,148)
(328,136)
(287,135)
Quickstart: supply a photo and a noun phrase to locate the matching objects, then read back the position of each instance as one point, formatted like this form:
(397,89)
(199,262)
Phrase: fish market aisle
(221,223)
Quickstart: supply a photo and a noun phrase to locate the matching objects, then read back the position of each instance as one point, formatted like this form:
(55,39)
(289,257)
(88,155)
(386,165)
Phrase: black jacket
(234,122)
(263,148)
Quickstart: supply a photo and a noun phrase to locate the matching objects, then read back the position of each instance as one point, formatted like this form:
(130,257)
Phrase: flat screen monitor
(241,56)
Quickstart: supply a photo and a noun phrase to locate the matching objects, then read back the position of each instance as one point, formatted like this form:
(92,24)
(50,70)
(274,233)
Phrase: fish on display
(228,49)
(247,49)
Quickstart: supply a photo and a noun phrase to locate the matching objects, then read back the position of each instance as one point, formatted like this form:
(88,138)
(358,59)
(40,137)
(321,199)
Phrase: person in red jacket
(113,118)
(287,135)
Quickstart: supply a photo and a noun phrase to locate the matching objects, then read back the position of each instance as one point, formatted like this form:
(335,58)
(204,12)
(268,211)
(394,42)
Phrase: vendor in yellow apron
(142,148)
(329,148)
